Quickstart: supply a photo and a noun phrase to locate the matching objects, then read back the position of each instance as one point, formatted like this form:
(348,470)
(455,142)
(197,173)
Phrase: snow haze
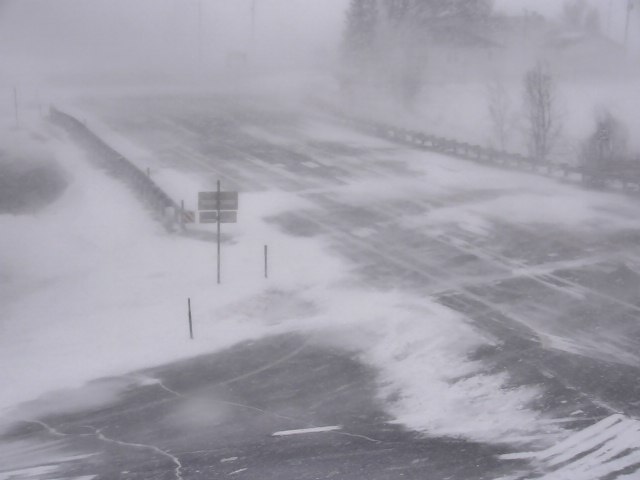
(433,270)
(172,37)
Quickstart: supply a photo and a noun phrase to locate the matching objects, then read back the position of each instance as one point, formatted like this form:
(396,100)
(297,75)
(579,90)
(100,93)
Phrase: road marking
(303,431)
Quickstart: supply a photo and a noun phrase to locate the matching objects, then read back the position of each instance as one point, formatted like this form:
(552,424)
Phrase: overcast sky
(62,34)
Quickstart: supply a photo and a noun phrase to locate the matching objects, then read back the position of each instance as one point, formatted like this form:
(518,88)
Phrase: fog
(418,254)
(176,38)
(156,41)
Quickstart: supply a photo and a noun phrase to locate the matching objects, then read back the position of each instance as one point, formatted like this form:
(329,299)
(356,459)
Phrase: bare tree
(499,113)
(359,40)
(543,124)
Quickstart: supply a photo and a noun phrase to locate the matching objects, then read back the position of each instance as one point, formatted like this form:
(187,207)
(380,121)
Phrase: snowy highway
(480,316)
(508,250)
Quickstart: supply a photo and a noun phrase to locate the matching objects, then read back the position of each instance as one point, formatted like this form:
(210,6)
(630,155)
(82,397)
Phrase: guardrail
(622,180)
(108,159)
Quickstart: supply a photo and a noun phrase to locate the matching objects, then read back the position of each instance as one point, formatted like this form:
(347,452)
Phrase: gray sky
(546,7)
(66,34)
(129,33)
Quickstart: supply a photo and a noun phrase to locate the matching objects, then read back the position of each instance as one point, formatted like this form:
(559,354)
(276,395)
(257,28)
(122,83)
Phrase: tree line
(384,40)
(384,45)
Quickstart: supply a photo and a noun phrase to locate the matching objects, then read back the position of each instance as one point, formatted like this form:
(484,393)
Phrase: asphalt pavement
(281,408)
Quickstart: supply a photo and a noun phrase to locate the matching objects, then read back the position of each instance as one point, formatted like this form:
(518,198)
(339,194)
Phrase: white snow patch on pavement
(304,431)
(26,473)
(425,381)
(603,450)
(235,472)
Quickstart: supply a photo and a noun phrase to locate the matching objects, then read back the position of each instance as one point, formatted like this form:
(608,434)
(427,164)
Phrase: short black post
(182,214)
(266,261)
(190,320)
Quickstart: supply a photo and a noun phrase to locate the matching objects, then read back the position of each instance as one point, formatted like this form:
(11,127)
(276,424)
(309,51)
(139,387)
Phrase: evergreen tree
(423,12)
(361,32)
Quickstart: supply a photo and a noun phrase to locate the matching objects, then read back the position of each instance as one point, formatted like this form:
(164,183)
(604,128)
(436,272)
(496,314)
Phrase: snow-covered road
(495,306)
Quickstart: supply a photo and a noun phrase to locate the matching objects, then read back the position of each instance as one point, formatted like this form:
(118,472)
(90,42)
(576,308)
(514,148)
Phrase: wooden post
(190,320)
(218,223)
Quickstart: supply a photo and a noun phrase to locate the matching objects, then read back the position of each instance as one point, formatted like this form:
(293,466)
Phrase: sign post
(218,207)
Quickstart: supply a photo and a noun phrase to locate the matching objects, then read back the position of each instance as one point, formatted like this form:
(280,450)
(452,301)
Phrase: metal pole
(190,320)
(15,104)
(218,223)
